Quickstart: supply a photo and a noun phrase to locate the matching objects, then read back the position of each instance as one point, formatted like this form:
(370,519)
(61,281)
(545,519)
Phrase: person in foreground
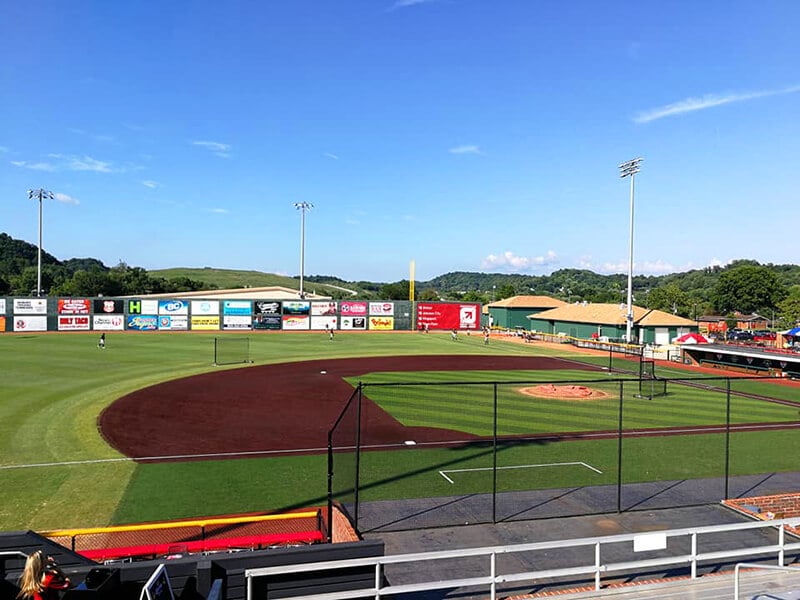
(41,579)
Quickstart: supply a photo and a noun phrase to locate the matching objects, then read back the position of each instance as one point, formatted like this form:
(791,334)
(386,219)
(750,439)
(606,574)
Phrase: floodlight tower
(40,195)
(302,207)
(630,169)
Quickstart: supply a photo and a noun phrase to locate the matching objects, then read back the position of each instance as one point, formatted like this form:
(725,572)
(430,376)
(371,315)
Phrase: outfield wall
(177,314)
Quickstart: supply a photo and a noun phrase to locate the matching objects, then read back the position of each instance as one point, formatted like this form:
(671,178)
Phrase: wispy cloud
(217,148)
(38,166)
(707,101)
(468,149)
(151,184)
(219,211)
(87,163)
(332,156)
(510,261)
(66,199)
(407,3)
(3,149)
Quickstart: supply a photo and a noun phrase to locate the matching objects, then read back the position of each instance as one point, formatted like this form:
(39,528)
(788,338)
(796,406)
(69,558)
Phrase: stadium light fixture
(629,169)
(302,207)
(40,195)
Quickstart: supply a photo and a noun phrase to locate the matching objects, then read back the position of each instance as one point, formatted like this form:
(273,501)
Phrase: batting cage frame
(617,463)
(231,350)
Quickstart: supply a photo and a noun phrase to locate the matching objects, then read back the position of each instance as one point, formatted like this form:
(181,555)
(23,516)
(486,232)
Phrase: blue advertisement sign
(237,307)
(173,307)
(143,322)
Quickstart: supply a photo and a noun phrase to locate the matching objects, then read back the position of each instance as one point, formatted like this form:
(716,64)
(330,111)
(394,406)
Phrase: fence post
(619,449)
(494,458)
(358,451)
(728,437)
(330,486)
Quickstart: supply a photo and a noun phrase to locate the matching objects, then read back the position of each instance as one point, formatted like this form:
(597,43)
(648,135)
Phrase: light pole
(302,207)
(630,169)
(40,195)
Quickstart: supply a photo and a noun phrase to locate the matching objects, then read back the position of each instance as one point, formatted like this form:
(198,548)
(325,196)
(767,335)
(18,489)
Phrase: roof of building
(611,314)
(527,302)
(274,292)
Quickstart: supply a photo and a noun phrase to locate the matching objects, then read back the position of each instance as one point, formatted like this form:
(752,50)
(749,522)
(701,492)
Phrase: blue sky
(467,135)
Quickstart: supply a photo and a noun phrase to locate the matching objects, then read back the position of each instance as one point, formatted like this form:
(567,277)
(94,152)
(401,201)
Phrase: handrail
(595,567)
(13,554)
(739,567)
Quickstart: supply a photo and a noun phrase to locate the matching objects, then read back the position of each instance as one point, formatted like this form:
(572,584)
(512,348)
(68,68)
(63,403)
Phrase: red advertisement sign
(448,315)
(73,306)
(352,308)
(73,323)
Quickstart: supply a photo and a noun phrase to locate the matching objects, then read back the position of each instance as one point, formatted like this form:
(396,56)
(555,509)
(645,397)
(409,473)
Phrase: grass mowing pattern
(57,384)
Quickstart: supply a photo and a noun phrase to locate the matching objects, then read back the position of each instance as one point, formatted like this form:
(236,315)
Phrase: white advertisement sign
(73,322)
(205,307)
(2,306)
(30,306)
(323,323)
(237,322)
(149,307)
(30,323)
(108,322)
(381,308)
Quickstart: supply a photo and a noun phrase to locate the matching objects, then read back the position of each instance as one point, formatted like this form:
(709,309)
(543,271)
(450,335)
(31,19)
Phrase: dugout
(746,359)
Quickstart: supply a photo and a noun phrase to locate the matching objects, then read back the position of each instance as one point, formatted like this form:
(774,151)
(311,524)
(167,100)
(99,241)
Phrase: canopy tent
(793,332)
(691,338)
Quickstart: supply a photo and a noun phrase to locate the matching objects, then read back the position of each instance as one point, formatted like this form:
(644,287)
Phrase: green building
(513,312)
(608,321)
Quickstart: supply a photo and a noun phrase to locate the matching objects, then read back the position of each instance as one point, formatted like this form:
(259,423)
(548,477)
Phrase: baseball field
(149,429)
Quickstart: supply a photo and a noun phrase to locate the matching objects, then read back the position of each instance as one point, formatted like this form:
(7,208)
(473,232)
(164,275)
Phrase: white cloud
(707,101)
(151,184)
(87,163)
(467,149)
(40,166)
(66,199)
(510,261)
(407,3)
(219,211)
(217,148)
(329,155)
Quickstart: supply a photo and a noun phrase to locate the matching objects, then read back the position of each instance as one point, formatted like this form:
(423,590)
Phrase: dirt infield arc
(282,407)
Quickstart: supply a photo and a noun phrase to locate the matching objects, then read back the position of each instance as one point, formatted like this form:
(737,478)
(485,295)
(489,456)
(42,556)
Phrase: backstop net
(231,350)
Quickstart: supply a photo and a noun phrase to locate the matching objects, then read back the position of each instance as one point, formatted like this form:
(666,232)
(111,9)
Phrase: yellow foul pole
(411,267)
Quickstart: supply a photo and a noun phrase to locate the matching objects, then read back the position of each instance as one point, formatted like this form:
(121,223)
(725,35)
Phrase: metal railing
(740,566)
(597,568)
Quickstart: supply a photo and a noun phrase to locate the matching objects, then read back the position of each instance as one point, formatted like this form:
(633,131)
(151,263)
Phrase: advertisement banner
(2,306)
(237,307)
(381,323)
(73,323)
(142,307)
(353,308)
(109,307)
(236,321)
(271,322)
(173,307)
(296,307)
(210,323)
(448,315)
(381,308)
(30,323)
(205,307)
(2,324)
(323,309)
(173,322)
(353,323)
(108,323)
(30,306)
(295,322)
(323,323)
(266,307)
(73,306)
(143,322)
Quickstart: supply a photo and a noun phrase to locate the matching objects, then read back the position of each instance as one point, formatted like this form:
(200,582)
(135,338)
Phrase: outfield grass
(56,385)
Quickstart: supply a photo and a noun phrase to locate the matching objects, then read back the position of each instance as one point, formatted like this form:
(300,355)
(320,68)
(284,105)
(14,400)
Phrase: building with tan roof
(513,312)
(590,320)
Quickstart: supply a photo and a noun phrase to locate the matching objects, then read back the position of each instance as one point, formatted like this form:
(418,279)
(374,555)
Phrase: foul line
(564,464)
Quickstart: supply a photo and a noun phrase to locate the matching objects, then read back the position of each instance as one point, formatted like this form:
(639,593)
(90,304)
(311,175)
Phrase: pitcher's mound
(573,393)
